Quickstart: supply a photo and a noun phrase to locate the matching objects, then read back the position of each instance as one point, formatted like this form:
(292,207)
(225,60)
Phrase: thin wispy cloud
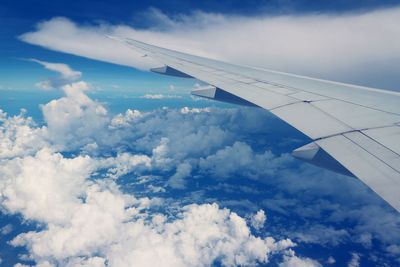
(66,74)
(360,47)
(63,69)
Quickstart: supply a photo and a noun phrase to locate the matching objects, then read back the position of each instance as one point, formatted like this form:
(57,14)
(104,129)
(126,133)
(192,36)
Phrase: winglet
(315,155)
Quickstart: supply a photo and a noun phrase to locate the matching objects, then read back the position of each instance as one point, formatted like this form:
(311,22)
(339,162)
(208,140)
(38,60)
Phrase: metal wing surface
(356,130)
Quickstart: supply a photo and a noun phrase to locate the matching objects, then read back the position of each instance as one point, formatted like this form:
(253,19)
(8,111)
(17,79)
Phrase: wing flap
(355,116)
(275,88)
(387,136)
(367,160)
(304,117)
(308,97)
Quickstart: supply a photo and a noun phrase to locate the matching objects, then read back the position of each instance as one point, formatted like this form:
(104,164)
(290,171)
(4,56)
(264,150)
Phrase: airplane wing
(355,130)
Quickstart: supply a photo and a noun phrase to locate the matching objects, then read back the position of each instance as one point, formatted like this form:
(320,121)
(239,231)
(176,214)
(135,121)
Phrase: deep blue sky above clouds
(121,167)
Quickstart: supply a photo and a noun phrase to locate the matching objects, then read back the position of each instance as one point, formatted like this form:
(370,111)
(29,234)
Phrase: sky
(103,163)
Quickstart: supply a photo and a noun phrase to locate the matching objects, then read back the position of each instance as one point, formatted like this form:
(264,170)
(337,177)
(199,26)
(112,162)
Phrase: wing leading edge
(356,130)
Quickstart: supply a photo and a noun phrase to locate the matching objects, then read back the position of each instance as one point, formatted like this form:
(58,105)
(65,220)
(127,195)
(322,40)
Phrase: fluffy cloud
(64,176)
(146,150)
(354,261)
(19,136)
(116,177)
(360,47)
(74,119)
(89,218)
(177,180)
(203,234)
(258,220)
(291,260)
(241,159)
(23,184)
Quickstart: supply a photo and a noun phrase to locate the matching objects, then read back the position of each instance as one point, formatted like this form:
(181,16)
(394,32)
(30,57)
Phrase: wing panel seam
(397,171)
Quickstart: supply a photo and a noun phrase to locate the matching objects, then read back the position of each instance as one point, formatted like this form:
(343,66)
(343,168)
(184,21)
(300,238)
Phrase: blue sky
(108,165)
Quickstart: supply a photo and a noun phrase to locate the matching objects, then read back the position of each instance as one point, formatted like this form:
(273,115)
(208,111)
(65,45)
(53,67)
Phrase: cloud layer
(64,176)
(177,187)
(361,47)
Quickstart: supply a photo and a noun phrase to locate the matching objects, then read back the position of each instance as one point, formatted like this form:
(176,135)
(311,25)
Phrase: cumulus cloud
(74,119)
(94,219)
(126,119)
(59,176)
(204,233)
(355,47)
(135,145)
(292,260)
(84,171)
(177,180)
(19,135)
(258,220)
(355,260)
(241,159)
(23,185)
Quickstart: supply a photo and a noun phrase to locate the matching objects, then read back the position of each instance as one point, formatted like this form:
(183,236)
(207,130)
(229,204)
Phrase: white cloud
(64,175)
(86,220)
(124,163)
(355,260)
(187,110)
(241,159)
(67,75)
(291,260)
(258,220)
(124,120)
(160,96)
(360,47)
(6,229)
(63,69)
(204,233)
(393,249)
(177,180)
(43,187)
(331,260)
(19,136)
(89,218)
(74,119)
(87,262)
(66,40)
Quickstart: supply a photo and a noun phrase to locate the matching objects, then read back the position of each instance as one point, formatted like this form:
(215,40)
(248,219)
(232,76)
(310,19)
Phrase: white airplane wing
(356,130)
